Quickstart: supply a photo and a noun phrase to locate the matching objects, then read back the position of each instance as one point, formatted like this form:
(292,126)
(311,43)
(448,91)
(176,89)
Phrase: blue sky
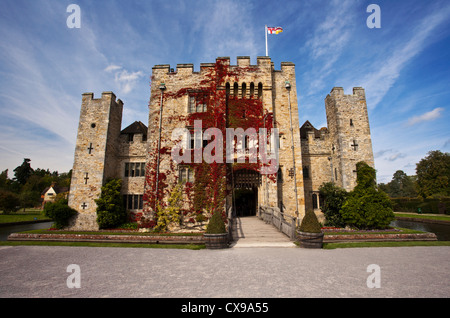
(45,66)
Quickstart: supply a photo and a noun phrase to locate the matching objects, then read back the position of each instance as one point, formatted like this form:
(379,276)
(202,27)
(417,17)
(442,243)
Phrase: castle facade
(228,136)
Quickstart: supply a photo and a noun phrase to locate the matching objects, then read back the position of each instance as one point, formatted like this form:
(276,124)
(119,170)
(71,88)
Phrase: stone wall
(275,98)
(95,155)
(348,124)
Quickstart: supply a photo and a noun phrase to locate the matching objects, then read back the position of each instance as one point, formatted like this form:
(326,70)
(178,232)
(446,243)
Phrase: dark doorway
(246,201)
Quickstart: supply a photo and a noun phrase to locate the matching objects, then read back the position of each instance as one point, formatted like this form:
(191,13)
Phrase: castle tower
(275,89)
(348,125)
(95,155)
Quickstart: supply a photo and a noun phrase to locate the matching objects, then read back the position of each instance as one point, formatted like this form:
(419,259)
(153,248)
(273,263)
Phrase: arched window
(227,89)
(314,201)
(236,90)
(260,88)
(252,89)
(244,90)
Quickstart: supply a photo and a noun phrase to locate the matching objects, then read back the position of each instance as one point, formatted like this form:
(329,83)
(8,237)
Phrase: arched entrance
(246,183)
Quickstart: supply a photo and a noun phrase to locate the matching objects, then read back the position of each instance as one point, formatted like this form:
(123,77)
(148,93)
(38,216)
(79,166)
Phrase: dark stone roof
(135,128)
(307,126)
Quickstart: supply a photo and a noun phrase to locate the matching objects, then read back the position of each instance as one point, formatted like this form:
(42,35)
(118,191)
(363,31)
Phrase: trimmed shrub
(334,197)
(366,207)
(216,224)
(59,212)
(310,223)
(110,210)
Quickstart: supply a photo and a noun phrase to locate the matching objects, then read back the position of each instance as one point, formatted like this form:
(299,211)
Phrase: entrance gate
(246,184)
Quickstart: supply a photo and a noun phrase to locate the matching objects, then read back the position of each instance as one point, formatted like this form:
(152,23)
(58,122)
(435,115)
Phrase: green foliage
(29,199)
(366,207)
(433,174)
(9,201)
(333,199)
(310,223)
(216,224)
(401,185)
(59,212)
(170,213)
(23,172)
(110,210)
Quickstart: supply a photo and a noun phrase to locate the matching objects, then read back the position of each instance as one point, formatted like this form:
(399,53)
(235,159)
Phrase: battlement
(109,96)
(339,91)
(262,62)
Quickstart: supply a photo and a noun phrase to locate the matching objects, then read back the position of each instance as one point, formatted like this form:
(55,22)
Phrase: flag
(274,30)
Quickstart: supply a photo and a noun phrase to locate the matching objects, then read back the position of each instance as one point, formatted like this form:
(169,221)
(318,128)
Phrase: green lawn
(384,244)
(423,216)
(21,216)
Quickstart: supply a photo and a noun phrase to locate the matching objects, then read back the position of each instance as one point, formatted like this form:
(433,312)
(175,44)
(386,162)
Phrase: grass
(23,216)
(94,244)
(402,231)
(330,246)
(423,216)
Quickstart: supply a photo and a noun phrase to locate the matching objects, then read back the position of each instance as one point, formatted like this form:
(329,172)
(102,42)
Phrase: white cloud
(428,116)
(112,68)
(125,80)
(396,156)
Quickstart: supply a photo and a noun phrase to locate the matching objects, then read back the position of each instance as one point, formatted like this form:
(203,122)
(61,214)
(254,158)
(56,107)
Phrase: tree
(4,181)
(9,201)
(366,206)
(333,199)
(29,199)
(433,174)
(170,213)
(23,172)
(110,210)
(401,185)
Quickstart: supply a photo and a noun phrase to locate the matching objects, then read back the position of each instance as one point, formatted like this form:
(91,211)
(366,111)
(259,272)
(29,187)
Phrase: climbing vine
(209,189)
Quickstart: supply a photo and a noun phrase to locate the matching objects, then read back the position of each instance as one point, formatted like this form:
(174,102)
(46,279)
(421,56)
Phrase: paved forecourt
(44,271)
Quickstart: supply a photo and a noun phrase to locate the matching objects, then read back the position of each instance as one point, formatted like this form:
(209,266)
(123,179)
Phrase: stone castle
(140,155)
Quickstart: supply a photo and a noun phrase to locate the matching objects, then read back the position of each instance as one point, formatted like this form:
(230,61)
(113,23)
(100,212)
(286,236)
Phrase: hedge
(429,205)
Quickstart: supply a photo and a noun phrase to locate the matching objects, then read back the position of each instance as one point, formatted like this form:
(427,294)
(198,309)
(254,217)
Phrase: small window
(198,102)
(133,201)
(260,90)
(185,174)
(351,122)
(252,89)
(306,172)
(134,169)
(314,201)
(130,137)
(127,169)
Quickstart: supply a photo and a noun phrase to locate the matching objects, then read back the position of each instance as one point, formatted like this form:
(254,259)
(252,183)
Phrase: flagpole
(267,50)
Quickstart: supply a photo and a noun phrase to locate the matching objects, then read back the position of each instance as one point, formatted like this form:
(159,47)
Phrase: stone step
(250,231)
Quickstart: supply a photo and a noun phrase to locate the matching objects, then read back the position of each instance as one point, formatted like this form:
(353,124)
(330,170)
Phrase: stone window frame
(132,201)
(134,169)
(185,174)
(193,106)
